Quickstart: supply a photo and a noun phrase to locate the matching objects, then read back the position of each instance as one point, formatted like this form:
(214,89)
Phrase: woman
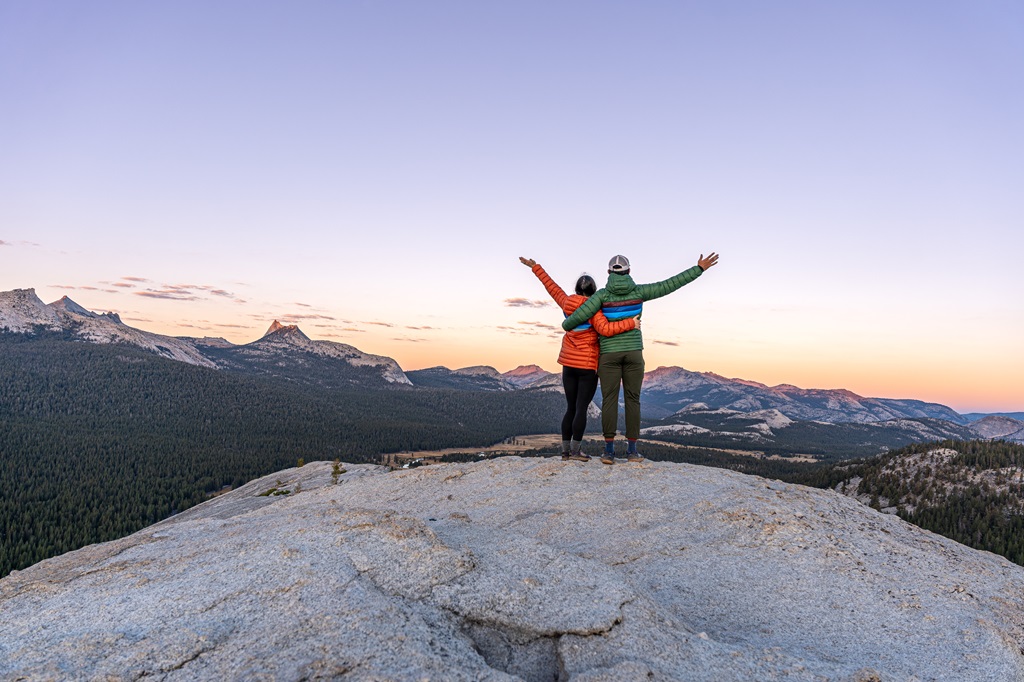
(578,356)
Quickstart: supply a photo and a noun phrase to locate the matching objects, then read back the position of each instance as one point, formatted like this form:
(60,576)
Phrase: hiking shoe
(566,457)
(607,460)
(580,457)
(635,457)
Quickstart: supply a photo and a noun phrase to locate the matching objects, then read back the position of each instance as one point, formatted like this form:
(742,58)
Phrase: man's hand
(529,262)
(637,322)
(706,263)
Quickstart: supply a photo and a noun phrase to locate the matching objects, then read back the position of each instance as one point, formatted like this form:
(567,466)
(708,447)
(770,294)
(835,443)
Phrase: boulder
(532,569)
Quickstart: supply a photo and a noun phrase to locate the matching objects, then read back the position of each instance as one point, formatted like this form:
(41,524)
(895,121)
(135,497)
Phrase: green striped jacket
(620,298)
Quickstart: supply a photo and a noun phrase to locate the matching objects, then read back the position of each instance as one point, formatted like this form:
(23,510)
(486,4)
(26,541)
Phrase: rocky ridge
(667,389)
(22,312)
(280,340)
(519,569)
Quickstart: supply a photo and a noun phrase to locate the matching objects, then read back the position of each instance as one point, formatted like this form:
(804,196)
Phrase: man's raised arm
(667,286)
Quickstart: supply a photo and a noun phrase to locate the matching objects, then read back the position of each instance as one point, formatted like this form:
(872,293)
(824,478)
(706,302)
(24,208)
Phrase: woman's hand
(528,262)
(637,322)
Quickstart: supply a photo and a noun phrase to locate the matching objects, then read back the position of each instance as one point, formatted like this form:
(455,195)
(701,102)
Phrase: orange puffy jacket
(580,346)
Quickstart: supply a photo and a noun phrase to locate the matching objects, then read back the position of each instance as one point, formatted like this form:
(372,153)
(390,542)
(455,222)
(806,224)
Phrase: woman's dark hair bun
(586,286)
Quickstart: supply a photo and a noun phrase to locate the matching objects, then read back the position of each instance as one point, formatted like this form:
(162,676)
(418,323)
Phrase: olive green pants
(625,368)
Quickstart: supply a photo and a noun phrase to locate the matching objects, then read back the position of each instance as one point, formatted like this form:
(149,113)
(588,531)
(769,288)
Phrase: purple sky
(372,170)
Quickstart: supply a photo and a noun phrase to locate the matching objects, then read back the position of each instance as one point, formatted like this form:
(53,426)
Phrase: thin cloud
(311,316)
(168,295)
(539,325)
(341,333)
(3,243)
(420,328)
(304,305)
(135,279)
(184,292)
(380,324)
(526,303)
(665,343)
(409,340)
(124,285)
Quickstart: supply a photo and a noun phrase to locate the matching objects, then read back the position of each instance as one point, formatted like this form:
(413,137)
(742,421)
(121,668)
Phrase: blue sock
(609,447)
(631,447)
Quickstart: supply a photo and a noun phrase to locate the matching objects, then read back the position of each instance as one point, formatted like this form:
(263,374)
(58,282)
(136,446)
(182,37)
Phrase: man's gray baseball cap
(618,264)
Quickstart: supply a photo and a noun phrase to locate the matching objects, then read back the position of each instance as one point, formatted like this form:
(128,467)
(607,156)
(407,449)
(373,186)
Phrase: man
(622,358)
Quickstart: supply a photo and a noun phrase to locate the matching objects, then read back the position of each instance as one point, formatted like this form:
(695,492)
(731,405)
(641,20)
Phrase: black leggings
(580,386)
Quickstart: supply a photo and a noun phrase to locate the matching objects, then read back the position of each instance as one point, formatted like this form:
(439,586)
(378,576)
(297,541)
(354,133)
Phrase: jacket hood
(620,284)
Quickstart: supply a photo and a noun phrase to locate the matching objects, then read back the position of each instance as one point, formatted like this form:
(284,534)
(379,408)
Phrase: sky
(372,170)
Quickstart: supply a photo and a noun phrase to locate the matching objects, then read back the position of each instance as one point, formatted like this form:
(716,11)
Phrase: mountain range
(677,402)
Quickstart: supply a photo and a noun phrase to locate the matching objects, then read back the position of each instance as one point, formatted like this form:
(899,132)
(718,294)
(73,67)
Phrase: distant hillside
(998,427)
(465,379)
(772,432)
(666,390)
(975,416)
(286,352)
(970,491)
